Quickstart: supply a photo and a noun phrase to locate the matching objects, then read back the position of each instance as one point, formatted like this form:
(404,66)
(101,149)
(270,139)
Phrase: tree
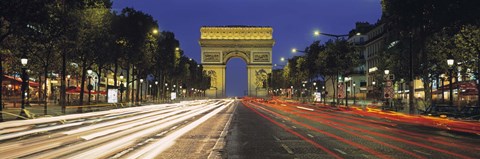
(338,58)
(414,22)
(132,28)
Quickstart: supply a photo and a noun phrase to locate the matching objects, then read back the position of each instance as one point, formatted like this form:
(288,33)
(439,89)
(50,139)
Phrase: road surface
(139,132)
(286,130)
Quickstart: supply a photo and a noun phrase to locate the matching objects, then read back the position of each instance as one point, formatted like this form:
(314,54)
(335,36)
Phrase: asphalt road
(285,130)
(138,132)
(233,129)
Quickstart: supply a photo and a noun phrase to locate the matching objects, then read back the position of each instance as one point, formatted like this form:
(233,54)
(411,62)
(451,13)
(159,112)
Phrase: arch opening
(236,77)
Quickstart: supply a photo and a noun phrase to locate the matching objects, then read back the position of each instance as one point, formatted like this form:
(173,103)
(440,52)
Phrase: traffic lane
(58,139)
(383,134)
(201,141)
(254,136)
(345,144)
(394,130)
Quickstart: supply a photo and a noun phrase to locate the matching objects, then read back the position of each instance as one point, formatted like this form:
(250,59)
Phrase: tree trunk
(40,88)
(333,86)
(127,94)
(63,93)
(82,84)
(1,88)
(45,73)
(97,97)
(115,73)
(478,80)
(134,100)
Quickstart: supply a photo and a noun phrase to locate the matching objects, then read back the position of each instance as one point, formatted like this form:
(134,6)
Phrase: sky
(293,22)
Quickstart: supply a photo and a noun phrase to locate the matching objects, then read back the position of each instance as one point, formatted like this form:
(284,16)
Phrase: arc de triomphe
(253,44)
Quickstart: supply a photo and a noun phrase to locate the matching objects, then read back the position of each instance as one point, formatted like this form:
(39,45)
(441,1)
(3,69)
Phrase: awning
(465,88)
(18,81)
(77,90)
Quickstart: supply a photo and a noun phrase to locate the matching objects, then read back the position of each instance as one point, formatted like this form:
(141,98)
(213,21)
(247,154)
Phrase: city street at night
(240,79)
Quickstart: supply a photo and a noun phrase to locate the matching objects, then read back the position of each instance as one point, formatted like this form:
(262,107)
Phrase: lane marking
(276,138)
(310,135)
(294,127)
(287,149)
(342,152)
(309,109)
(369,136)
(249,106)
(421,152)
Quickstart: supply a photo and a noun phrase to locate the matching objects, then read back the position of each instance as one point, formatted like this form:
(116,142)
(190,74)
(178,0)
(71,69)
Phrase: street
(296,131)
(136,132)
(247,128)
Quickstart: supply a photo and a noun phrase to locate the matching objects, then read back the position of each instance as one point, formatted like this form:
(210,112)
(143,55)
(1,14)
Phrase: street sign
(388,92)
(389,84)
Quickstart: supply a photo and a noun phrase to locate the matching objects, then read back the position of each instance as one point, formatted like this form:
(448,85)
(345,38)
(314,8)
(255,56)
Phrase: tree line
(69,37)
(420,36)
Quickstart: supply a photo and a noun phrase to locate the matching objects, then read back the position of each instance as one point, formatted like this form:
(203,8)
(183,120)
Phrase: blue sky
(293,22)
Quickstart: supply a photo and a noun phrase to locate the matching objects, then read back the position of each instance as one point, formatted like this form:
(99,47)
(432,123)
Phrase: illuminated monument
(253,44)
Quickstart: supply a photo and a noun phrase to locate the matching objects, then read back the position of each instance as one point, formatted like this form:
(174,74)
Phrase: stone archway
(253,44)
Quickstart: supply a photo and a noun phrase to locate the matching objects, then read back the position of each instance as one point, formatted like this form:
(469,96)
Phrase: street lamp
(156,91)
(68,86)
(318,33)
(141,90)
(122,87)
(24,62)
(354,95)
(89,87)
(150,91)
(324,93)
(450,63)
(386,72)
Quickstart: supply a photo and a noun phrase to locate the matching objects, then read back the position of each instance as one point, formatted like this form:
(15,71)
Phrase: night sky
(293,23)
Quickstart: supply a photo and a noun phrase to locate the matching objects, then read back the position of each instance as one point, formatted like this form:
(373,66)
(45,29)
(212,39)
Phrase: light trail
(106,133)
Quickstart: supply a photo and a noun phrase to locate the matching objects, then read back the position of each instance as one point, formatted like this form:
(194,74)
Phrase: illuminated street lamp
(68,86)
(354,95)
(386,72)
(450,63)
(89,87)
(122,87)
(141,89)
(24,62)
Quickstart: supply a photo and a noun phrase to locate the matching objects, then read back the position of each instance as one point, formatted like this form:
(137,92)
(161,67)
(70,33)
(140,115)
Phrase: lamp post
(150,91)
(89,87)
(354,95)
(24,62)
(122,88)
(156,91)
(324,94)
(302,91)
(450,63)
(386,87)
(68,86)
(164,91)
(141,90)
(374,91)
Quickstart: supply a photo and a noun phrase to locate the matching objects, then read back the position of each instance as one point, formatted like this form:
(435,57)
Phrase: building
(374,46)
